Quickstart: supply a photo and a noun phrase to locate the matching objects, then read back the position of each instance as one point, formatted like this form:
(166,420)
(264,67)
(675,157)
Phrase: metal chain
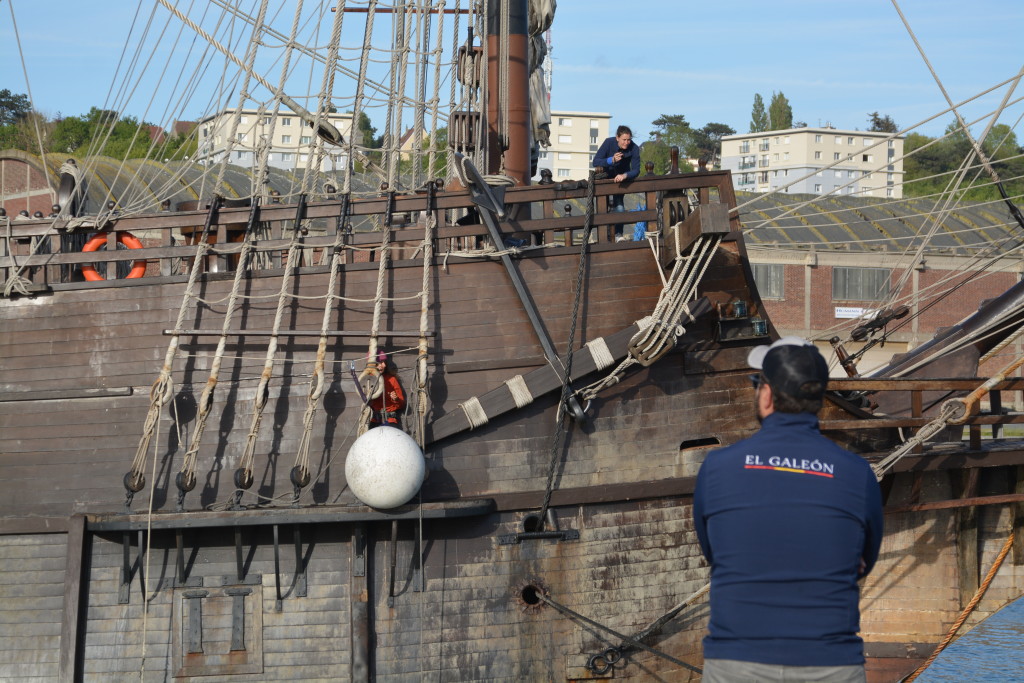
(556,441)
(628,640)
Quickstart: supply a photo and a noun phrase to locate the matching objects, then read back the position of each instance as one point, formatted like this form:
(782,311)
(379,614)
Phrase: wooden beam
(76,547)
(965,484)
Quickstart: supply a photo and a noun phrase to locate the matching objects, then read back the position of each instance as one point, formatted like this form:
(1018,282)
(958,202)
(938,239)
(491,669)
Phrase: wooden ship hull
(466,581)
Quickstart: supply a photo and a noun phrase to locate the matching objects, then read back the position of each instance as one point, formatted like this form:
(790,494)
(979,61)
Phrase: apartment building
(288,139)
(816,161)
(575,136)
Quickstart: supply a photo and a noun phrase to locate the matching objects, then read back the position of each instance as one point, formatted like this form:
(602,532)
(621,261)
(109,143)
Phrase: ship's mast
(508,82)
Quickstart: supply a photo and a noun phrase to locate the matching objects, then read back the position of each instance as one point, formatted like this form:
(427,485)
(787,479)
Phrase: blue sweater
(629,164)
(785,518)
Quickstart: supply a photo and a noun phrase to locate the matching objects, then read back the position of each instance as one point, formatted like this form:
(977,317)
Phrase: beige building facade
(816,161)
(575,136)
(286,139)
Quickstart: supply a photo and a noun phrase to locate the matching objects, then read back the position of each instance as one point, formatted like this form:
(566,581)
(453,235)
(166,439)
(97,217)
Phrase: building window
(564,155)
(764,177)
(286,139)
(565,122)
(769,278)
(888,177)
(243,119)
(775,157)
(565,139)
(242,137)
(267,120)
(817,187)
(286,120)
(286,156)
(851,174)
(563,173)
(593,123)
(888,192)
(745,147)
(892,144)
(303,157)
(785,140)
(849,141)
(866,174)
(867,157)
(839,140)
(860,284)
(239,155)
(817,155)
(839,174)
(835,156)
(206,132)
(306,140)
(593,139)
(543,154)
(817,138)
(867,142)
(785,156)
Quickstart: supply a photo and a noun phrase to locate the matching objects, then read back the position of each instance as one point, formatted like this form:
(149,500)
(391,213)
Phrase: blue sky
(835,60)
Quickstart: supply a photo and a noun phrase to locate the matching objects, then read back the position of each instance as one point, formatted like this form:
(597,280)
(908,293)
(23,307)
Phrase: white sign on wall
(850,312)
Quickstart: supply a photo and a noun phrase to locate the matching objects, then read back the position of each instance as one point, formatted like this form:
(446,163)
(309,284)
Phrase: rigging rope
(300,475)
(163,388)
(660,328)
(369,375)
(557,444)
(993,570)
(243,475)
(186,479)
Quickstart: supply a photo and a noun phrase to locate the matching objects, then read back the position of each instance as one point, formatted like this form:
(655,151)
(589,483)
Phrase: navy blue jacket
(785,518)
(629,164)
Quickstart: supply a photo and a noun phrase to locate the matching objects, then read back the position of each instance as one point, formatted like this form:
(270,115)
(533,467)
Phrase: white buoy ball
(384,467)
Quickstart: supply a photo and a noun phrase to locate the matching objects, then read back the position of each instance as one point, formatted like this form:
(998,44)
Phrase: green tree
(780,114)
(656,152)
(930,163)
(368,133)
(882,124)
(758,116)
(672,129)
(102,132)
(13,108)
(707,142)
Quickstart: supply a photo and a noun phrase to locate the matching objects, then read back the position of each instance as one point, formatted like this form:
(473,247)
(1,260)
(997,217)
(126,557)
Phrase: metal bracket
(359,550)
(513,539)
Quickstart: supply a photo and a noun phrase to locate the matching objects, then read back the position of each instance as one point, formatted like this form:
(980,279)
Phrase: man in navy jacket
(789,522)
(620,158)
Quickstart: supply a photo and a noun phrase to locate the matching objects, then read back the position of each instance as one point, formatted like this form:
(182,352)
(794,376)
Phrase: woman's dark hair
(623,129)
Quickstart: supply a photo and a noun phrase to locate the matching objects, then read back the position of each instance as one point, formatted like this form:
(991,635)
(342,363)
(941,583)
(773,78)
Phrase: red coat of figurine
(391,401)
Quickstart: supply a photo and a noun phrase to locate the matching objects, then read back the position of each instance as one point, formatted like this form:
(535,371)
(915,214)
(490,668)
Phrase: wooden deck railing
(539,214)
(926,396)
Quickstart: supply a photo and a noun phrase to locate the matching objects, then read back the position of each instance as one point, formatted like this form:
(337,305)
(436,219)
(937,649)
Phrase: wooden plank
(965,484)
(76,545)
(1017,513)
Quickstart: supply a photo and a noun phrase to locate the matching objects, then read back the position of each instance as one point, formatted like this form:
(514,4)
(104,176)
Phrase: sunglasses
(755,380)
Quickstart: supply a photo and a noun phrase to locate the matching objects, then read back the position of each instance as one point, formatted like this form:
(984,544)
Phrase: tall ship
(390,411)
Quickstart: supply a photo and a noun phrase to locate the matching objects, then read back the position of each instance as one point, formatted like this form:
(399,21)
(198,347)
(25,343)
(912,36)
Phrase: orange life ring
(99,240)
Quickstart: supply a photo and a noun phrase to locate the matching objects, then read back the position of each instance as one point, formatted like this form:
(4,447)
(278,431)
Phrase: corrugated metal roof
(873,223)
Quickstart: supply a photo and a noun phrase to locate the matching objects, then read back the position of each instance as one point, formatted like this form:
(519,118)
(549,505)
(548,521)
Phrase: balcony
(747,164)
(763,147)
